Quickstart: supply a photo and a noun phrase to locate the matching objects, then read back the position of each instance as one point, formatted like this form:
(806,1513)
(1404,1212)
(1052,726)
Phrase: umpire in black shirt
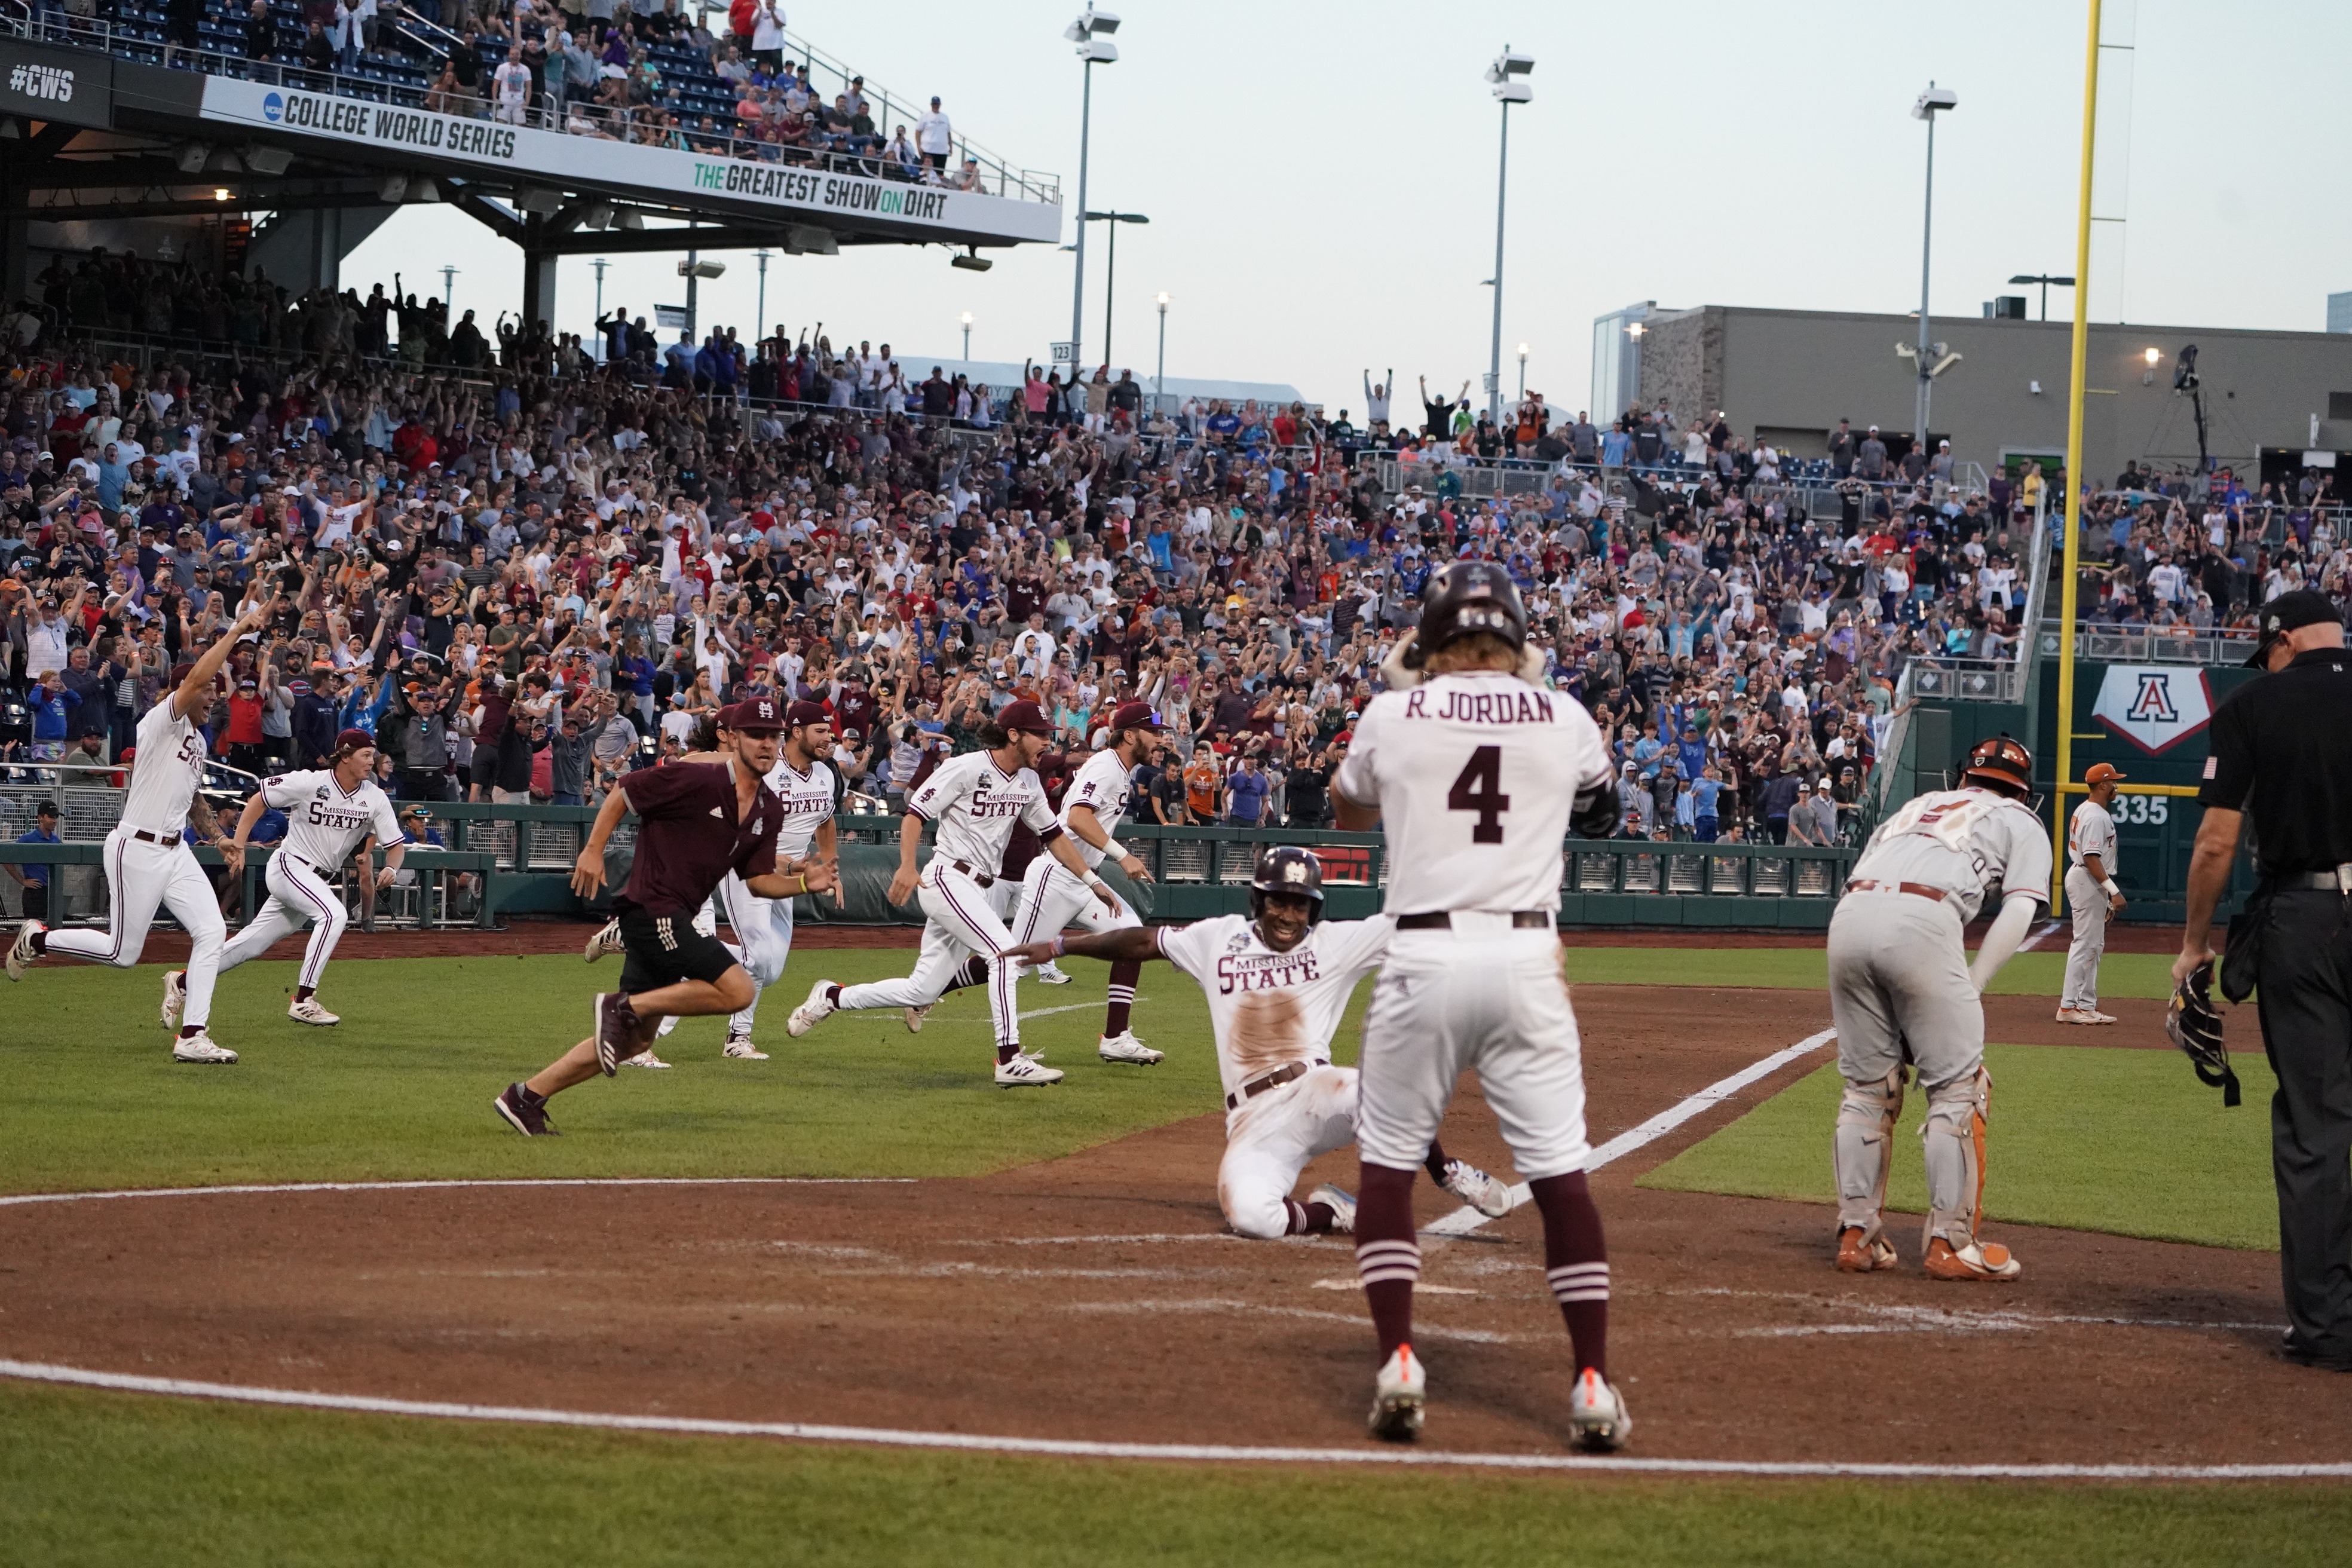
(2281,763)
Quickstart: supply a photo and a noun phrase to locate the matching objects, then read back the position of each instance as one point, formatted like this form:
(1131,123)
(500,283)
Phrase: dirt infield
(1098,1297)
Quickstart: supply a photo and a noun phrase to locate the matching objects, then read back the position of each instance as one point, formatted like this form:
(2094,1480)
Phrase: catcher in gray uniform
(1903,993)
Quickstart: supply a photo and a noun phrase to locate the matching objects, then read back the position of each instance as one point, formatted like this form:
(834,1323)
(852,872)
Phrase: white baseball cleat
(175,997)
(1343,1208)
(2075,1015)
(1049,974)
(308,1011)
(1398,1392)
(1124,1046)
(606,939)
(2093,1016)
(200,1049)
(1597,1417)
(915,1016)
(813,1012)
(1487,1194)
(20,953)
(741,1048)
(1025,1071)
(644,1059)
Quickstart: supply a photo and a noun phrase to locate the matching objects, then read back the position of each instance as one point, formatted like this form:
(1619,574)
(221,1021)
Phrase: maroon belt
(1917,890)
(1287,1073)
(168,840)
(974,872)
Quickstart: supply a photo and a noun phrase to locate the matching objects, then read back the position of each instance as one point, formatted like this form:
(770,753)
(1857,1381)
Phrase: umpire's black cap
(2304,607)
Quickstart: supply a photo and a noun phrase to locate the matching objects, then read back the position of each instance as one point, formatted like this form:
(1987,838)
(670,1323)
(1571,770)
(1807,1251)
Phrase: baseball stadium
(720,949)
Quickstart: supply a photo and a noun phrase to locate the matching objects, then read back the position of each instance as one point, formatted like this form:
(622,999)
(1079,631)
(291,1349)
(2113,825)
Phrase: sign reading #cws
(66,85)
(608,165)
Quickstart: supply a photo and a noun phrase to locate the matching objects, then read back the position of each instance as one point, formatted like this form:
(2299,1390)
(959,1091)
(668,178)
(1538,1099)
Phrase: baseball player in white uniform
(1277,981)
(763,927)
(330,811)
(148,861)
(1476,774)
(2091,897)
(1093,808)
(975,799)
(1903,993)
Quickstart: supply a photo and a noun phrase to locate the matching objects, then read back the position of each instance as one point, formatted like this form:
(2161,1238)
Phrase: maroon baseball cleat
(525,1112)
(616,1021)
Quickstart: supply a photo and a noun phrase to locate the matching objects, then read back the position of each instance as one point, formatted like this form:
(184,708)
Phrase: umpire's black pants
(2305,974)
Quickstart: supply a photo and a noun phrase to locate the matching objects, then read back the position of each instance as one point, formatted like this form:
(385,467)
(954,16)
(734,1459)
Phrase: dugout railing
(446,890)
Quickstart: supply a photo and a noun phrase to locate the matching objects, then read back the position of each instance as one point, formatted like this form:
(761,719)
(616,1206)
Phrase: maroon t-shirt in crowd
(688,837)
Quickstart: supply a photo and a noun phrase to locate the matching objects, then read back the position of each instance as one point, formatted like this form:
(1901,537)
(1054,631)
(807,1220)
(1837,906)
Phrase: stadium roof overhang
(119,138)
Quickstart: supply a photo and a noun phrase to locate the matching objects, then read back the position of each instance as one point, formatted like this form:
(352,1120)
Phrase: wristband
(2109,887)
(1061,945)
(803,877)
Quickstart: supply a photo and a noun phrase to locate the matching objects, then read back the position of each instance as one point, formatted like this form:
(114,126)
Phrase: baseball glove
(2195,1025)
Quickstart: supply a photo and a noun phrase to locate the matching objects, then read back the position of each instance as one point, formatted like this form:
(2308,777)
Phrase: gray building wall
(1791,375)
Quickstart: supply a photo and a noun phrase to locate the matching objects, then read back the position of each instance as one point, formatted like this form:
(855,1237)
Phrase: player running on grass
(697,822)
(1476,774)
(1277,981)
(330,811)
(763,927)
(148,858)
(975,799)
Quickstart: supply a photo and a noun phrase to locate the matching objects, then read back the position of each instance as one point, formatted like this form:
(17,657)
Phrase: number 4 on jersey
(1479,788)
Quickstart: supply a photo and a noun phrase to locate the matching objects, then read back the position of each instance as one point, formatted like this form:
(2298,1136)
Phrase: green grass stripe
(2035,973)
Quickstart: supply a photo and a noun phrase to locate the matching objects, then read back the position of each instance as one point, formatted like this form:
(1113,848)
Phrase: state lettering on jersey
(1454,705)
(1266,971)
(324,813)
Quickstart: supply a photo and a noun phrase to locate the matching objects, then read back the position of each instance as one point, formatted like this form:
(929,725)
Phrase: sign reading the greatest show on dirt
(513,150)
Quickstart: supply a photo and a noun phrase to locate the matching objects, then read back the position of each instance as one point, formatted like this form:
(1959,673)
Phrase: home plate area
(1098,1298)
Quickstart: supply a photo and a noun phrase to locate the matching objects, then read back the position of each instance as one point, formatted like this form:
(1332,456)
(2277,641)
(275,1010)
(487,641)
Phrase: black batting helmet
(1285,870)
(1466,599)
(2001,763)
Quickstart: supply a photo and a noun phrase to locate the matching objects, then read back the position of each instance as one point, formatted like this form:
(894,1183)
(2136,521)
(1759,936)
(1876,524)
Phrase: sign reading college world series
(2154,706)
(513,150)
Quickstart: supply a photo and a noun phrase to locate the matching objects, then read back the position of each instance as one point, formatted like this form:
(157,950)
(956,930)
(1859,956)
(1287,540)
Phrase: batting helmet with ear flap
(1286,870)
(2001,763)
(1463,599)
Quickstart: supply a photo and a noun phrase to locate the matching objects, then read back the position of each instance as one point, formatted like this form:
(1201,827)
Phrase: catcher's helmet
(2001,763)
(1285,870)
(1464,598)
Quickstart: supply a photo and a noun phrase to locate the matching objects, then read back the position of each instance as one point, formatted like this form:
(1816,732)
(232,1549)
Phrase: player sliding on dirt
(1278,982)
(697,823)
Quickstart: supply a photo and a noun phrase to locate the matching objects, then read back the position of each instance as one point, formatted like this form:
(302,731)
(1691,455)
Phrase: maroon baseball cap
(808,713)
(753,716)
(351,741)
(1135,716)
(1025,715)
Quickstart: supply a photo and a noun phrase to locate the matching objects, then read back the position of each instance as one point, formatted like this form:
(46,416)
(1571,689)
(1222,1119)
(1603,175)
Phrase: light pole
(1505,75)
(2045,280)
(1935,100)
(1159,377)
(448,287)
(1523,372)
(1110,275)
(1095,50)
(967,337)
(600,264)
(760,316)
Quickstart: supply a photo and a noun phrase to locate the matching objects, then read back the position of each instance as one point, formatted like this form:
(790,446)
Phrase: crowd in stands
(529,574)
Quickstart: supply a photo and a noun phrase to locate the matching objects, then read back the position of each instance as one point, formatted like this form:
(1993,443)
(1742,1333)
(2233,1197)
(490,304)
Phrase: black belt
(1443,919)
(1284,1074)
(2338,880)
(172,840)
(974,872)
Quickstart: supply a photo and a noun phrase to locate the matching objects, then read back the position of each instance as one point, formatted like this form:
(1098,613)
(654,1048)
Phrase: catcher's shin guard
(1864,1151)
(1954,1134)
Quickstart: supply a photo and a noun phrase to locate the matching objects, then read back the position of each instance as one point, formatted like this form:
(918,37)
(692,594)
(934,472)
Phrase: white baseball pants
(140,876)
(300,892)
(762,944)
(2087,902)
(1484,995)
(1051,900)
(965,918)
(1269,1139)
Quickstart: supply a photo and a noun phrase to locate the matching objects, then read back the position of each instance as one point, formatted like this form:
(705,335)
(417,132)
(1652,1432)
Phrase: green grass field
(2119,1140)
(2036,974)
(105,1479)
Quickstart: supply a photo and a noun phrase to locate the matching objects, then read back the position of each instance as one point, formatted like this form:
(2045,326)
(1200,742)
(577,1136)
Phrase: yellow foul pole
(2077,477)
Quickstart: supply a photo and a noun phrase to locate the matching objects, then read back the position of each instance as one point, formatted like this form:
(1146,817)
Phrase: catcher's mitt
(2195,1025)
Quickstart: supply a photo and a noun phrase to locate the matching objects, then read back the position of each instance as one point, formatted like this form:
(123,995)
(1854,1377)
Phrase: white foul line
(1466,1219)
(2037,937)
(970,1442)
(417,1186)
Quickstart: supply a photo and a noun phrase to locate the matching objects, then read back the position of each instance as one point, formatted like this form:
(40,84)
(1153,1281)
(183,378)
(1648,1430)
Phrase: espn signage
(568,160)
(45,84)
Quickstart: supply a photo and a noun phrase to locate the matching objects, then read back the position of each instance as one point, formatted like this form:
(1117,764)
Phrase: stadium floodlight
(630,218)
(538,201)
(1504,75)
(598,215)
(1935,100)
(1091,22)
(191,156)
(1091,32)
(392,188)
(701,269)
(423,190)
(972,261)
(267,160)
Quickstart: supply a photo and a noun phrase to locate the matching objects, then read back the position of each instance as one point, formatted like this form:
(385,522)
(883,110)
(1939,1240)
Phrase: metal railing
(997,177)
(1938,679)
(2153,644)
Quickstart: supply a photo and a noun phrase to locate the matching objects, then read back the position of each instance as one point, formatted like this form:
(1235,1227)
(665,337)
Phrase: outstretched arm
(1129,945)
(2002,938)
